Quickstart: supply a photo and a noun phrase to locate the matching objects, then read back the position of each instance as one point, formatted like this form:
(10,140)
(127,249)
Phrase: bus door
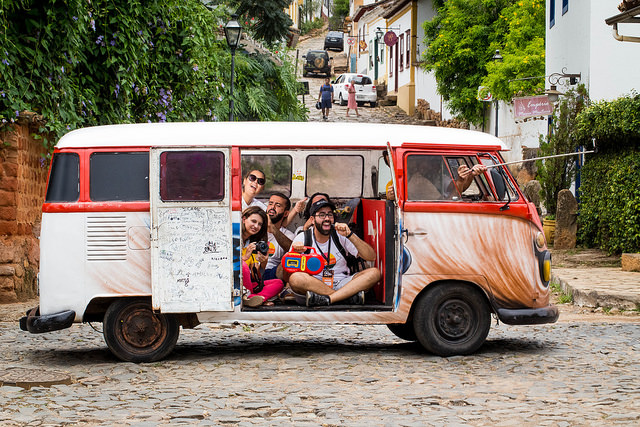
(402,261)
(191,249)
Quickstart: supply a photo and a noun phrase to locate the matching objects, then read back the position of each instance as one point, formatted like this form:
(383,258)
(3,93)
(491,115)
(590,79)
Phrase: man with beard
(334,283)
(279,237)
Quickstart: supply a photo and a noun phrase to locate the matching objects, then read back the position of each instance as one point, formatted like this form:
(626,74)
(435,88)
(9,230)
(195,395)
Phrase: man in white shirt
(279,237)
(334,283)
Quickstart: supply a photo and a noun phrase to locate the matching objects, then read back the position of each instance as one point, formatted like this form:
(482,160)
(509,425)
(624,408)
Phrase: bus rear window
(195,176)
(64,182)
(119,177)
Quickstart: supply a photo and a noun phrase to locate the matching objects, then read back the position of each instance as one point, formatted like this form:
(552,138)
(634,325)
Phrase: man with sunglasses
(334,283)
(253,185)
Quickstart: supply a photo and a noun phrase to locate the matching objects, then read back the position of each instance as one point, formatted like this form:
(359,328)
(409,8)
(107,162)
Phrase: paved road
(574,373)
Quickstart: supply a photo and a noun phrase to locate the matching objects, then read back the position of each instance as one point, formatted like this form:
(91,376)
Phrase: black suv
(334,41)
(316,62)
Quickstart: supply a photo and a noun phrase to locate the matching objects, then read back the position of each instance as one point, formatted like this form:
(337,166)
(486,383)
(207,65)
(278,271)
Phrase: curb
(596,299)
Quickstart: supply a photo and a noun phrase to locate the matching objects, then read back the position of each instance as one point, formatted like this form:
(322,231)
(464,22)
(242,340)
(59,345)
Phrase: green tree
(522,70)
(463,37)
(270,22)
(339,12)
(80,63)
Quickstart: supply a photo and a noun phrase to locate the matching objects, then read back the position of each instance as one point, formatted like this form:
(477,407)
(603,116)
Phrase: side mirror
(498,183)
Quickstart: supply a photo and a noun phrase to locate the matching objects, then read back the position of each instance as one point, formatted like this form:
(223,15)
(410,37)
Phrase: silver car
(365,89)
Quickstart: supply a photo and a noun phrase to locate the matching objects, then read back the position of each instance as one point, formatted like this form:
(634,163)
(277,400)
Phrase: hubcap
(454,320)
(141,328)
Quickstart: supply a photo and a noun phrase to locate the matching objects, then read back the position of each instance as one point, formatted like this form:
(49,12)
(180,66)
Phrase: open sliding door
(192,248)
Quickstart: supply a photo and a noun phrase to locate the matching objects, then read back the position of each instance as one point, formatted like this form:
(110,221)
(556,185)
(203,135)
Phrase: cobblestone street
(570,373)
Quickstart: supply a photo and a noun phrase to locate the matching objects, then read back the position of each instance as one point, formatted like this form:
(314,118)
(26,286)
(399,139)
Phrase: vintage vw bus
(141,230)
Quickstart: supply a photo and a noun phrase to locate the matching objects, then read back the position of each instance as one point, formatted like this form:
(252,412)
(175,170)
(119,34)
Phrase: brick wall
(23,178)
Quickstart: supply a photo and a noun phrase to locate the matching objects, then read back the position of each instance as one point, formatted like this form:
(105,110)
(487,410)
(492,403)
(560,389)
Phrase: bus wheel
(403,331)
(134,333)
(452,319)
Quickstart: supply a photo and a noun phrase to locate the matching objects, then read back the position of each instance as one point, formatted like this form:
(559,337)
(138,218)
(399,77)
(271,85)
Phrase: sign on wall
(532,106)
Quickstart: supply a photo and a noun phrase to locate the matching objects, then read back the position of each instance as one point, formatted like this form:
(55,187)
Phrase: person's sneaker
(253,300)
(357,299)
(314,299)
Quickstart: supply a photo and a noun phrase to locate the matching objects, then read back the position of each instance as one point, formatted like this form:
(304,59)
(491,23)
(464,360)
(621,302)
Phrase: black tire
(452,319)
(134,333)
(403,331)
(342,101)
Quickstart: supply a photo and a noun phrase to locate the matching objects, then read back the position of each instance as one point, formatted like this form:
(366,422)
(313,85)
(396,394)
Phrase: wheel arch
(488,297)
(98,306)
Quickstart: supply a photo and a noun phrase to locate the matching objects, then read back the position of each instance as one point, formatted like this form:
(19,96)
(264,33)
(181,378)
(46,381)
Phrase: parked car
(334,41)
(317,62)
(365,89)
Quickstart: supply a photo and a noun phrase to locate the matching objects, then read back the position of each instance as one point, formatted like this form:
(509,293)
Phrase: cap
(319,205)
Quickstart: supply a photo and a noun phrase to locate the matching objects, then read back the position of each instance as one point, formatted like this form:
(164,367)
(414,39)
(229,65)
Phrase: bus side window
(479,189)
(64,182)
(277,169)
(119,176)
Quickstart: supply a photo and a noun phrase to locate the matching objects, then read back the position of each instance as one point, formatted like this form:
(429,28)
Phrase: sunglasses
(252,177)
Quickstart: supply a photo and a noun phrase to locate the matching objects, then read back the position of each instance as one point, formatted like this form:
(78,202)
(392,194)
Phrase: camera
(262,247)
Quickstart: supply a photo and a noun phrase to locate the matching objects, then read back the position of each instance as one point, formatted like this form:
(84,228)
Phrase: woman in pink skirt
(351,101)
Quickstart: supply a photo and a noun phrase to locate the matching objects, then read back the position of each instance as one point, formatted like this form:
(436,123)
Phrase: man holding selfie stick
(334,283)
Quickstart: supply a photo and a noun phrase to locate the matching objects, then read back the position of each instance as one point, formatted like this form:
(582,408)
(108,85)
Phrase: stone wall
(23,178)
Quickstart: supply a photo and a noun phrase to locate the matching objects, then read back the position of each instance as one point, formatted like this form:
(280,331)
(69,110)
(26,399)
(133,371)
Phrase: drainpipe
(622,38)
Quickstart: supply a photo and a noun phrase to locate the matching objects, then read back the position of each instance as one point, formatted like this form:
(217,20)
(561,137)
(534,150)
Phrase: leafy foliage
(271,22)
(610,192)
(340,11)
(558,173)
(611,124)
(609,215)
(522,52)
(80,63)
(462,39)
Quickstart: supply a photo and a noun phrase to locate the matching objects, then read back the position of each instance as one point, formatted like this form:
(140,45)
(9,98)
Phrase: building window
(552,13)
(401,51)
(565,6)
(408,49)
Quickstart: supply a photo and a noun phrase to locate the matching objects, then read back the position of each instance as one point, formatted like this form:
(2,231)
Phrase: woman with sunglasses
(254,229)
(253,185)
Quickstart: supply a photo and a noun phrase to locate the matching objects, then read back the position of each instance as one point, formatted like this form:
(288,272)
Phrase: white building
(579,41)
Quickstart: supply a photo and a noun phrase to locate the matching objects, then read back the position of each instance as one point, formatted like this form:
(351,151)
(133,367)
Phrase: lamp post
(496,58)
(232,32)
(379,34)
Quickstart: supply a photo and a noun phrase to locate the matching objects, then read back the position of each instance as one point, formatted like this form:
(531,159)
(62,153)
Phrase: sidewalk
(607,287)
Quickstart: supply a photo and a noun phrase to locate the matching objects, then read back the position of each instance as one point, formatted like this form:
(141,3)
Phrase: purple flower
(62,68)
(2,93)
(195,68)
(17,113)
(99,39)
(93,24)
(75,18)
(5,62)
(117,90)
(113,43)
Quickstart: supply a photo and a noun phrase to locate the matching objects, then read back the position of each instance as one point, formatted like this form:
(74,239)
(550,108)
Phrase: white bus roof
(276,134)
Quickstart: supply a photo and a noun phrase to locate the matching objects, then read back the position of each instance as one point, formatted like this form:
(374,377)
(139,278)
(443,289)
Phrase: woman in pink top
(351,101)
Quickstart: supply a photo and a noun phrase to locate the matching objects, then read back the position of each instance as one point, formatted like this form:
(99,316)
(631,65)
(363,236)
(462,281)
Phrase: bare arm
(365,251)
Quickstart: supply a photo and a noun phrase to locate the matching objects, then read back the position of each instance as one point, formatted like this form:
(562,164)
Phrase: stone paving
(574,373)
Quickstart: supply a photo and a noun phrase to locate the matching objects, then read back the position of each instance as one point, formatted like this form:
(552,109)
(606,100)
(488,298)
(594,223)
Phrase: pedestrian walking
(325,97)
(351,101)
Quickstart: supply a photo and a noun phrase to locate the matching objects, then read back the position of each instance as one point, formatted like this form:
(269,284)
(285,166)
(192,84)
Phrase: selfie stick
(539,158)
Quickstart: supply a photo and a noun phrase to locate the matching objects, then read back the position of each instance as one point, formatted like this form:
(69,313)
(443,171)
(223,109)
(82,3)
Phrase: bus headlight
(544,259)
(540,240)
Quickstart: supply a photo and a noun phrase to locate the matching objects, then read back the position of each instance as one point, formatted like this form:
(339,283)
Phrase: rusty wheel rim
(140,328)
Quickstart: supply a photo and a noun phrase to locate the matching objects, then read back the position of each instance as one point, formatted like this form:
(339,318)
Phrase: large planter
(549,228)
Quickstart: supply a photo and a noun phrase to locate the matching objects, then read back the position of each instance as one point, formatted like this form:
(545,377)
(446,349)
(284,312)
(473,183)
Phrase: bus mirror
(498,183)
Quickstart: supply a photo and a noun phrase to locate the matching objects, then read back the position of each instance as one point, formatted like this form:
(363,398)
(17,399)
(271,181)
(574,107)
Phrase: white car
(365,89)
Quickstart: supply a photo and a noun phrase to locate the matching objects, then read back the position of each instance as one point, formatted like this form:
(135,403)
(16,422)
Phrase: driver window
(428,178)
(478,189)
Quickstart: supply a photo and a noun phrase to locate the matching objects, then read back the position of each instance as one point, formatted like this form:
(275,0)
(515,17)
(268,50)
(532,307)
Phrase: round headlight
(540,240)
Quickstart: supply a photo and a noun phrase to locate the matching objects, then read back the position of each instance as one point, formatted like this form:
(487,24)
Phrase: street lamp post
(496,58)
(379,34)
(232,32)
